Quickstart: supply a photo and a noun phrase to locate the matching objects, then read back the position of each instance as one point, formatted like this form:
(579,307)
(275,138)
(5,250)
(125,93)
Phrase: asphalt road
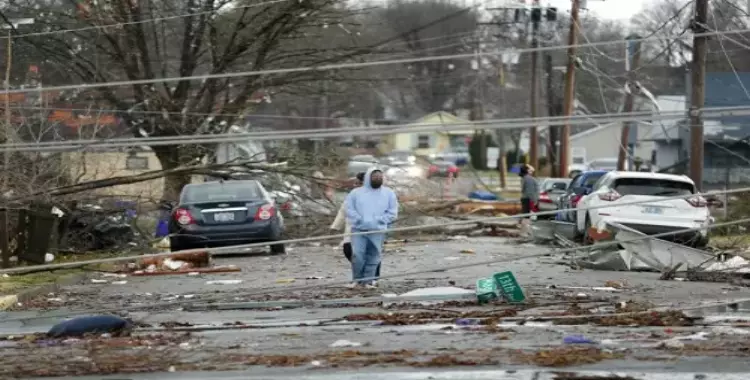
(298,341)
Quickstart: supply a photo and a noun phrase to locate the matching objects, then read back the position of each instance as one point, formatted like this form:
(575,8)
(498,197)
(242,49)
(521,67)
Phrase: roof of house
(728,89)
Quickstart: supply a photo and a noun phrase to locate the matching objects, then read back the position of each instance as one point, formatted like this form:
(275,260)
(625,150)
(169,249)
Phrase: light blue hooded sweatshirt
(369,209)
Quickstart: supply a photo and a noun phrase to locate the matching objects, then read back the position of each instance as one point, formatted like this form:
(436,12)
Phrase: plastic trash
(224,282)
(98,324)
(468,321)
(577,339)
(345,343)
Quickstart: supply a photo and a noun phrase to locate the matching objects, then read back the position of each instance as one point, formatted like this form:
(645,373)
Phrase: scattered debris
(344,343)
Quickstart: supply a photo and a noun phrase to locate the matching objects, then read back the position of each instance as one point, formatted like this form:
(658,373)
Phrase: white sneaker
(352,285)
(371,286)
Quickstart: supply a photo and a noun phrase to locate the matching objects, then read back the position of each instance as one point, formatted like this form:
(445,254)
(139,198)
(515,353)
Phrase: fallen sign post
(486,290)
(509,286)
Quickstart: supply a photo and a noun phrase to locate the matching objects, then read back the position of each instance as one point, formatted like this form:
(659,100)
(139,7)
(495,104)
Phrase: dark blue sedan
(579,186)
(225,213)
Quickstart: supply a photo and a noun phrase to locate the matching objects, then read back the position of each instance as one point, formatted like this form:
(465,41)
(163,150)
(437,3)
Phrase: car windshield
(554,185)
(652,186)
(221,192)
(591,179)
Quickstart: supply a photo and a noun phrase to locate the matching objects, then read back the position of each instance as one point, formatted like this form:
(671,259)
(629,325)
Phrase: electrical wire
(496,124)
(363,233)
(147,21)
(274,290)
(338,66)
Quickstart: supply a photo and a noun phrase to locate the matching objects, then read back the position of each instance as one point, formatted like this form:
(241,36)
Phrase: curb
(8,301)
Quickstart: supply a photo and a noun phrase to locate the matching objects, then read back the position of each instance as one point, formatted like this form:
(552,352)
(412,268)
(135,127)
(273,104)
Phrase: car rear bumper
(216,236)
(674,233)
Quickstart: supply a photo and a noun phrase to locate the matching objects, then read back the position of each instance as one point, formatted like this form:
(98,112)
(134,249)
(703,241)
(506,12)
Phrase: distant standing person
(370,208)
(342,223)
(529,192)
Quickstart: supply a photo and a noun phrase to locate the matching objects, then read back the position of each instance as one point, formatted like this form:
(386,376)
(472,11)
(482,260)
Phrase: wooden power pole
(697,95)
(633,48)
(570,92)
(536,17)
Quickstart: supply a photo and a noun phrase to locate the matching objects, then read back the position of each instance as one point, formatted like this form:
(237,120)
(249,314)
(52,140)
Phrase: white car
(657,214)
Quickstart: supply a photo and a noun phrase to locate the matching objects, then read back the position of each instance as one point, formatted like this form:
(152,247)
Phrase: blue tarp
(483,195)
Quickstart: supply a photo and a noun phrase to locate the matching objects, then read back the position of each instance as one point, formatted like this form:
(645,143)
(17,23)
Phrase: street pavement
(324,341)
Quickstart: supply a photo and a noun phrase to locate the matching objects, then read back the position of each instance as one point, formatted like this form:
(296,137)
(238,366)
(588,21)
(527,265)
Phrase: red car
(442,169)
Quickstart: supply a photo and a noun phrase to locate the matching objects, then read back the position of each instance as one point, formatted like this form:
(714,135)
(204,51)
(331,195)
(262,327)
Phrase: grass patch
(14,283)
(730,241)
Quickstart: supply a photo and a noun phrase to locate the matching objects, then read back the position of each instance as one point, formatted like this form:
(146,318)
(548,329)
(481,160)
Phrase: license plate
(224,217)
(652,210)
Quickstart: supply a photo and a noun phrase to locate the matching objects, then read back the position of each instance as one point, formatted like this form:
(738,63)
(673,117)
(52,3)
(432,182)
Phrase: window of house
(134,162)
(423,142)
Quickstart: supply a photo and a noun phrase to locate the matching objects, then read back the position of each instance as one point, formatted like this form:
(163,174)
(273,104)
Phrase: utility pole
(536,16)
(697,95)
(632,63)
(570,93)
(553,109)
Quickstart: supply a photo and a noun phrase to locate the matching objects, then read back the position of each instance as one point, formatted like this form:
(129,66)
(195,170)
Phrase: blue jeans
(366,251)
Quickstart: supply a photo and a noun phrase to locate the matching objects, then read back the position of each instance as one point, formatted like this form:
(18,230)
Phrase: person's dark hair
(361,176)
(523,170)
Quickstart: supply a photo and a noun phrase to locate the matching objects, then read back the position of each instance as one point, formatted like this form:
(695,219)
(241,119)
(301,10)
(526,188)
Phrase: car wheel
(278,249)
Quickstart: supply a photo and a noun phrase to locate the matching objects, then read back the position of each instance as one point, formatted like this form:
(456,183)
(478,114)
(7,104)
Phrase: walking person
(529,195)
(342,223)
(370,208)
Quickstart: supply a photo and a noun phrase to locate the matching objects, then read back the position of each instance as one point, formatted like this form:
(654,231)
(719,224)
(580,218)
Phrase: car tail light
(453,169)
(544,198)
(610,196)
(433,168)
(183,216)
(697,201)
(265,212)
(576,199)
(286,206)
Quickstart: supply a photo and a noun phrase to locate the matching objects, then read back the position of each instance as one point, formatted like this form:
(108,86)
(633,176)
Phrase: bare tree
(111,40)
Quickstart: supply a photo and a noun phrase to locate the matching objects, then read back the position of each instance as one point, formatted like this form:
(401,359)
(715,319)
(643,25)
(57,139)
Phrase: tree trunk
(170,158)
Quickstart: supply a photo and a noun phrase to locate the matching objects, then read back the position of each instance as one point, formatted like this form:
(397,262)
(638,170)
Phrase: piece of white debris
(96,281)
(172,369)
(184,345)
(673,344)
(188,296)
(116,275)
(119,282)
(345,343)
(193,274)
(224,282)
(316,363)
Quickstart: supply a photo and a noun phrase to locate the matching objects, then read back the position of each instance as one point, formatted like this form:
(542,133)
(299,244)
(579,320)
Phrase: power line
(273,290)
(338,66)
(147,21)
(499,124)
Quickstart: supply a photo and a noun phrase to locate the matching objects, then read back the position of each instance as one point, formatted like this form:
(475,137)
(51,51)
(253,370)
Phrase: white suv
(655,215)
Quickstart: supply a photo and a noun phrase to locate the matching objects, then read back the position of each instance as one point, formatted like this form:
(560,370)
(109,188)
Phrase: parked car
(399,156)
(459,157)
(404,170)
(550,189)
(224,213)
(656,214)
(442,168)
(577,188)
(360,163)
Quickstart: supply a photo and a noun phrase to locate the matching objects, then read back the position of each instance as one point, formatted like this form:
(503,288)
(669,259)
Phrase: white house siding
(604,142)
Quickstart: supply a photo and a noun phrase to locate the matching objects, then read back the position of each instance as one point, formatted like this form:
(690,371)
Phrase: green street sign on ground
(486,290)
(509,287)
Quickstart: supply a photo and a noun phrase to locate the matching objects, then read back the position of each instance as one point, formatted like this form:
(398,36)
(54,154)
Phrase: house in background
(726,146)
(453,136)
